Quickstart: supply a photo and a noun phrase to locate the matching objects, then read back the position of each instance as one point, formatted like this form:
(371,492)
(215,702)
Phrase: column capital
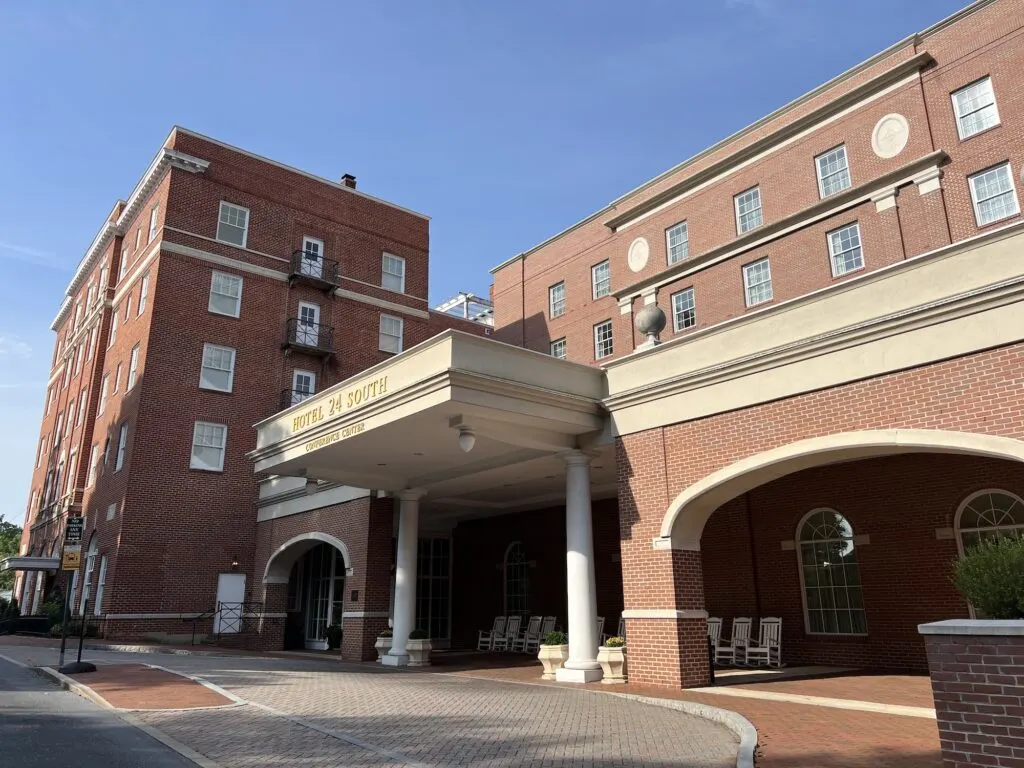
(577,458)
(410,494)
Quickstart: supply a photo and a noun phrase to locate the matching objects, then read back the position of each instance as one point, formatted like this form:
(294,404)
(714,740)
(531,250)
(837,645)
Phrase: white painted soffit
(28,563)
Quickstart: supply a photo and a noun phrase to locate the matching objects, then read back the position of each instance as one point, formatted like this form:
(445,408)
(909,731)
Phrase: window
(757,282)
(113,327)
(603,339)
(143,294)
(993,194)
(601,279)
(127,309)
(53,396)
(684,311)
(124,263)
(81,407)
(71,416)
(303,385)
(559,348)
(988,514)
(830,575)
(117,378)
(312,257)
(92,343)
(225,294)
(133,367)
(73,592)
(677,238)
(233,224)
(112,511)
(103,393)
(307,332)
(517,584)
(393,273)
(208,446)
(556,299)
(154,215)
(833,171)
(106,452)
(138,239)
(218,369)
(122,445)
(90,566)
(844,249)
(78,314)
(748,210)
(94,457)
(97,606)
(975,108)
(90,295)
(79,354)
(103,280)
(42,451)
(391,333)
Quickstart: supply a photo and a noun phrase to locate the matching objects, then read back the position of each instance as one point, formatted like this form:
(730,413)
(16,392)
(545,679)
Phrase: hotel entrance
(316,586)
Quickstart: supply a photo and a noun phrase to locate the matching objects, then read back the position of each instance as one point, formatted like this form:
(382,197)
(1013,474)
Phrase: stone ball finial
(651,321)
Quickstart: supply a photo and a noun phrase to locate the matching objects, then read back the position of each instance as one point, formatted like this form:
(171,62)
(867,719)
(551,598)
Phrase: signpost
(71,560)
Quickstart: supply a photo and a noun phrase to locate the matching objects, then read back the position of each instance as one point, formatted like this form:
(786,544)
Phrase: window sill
(204,469)
(996,222)
(979,133)
(847,273)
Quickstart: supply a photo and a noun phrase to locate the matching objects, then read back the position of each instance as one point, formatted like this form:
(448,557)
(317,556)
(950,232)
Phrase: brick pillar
(692,624)
(271,628)
(368,616)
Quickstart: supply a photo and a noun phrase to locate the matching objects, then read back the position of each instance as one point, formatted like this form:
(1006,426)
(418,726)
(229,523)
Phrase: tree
(10,543)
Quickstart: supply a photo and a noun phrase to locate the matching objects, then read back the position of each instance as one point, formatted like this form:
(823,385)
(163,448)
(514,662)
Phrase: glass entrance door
(325,586)
(433,590)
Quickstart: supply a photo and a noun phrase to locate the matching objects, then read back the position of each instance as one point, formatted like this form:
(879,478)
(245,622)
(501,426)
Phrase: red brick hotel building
(783,378)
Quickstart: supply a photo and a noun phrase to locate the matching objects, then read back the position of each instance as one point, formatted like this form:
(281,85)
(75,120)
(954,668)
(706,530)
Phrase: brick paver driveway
(310,713)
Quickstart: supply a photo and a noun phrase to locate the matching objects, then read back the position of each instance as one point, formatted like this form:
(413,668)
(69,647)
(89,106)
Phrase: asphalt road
(42,726)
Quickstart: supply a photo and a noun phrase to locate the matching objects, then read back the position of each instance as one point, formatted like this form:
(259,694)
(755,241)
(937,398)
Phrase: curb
(155,649)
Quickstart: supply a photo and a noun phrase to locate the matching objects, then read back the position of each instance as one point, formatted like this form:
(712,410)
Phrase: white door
(312,257)
(308,331)
(230,597)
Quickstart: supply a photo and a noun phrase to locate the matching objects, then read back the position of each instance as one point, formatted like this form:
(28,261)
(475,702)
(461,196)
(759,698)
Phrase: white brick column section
(405,577)
(582,666)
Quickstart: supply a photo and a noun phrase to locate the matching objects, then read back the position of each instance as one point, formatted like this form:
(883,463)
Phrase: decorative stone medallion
(639,250)
(890,135)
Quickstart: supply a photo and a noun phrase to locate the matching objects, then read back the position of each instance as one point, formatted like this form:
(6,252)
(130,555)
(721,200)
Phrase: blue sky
(505,122)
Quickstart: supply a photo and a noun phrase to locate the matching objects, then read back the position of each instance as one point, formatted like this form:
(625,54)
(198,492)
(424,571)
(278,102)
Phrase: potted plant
(418,647)
(612,658)
(554,652)
(333,637)
(383,644)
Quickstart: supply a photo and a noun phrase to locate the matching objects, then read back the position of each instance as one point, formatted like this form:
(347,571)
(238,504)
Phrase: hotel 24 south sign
(339,403)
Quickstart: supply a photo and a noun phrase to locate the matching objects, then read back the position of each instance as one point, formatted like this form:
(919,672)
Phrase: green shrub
(991,576)
(615,642)
(56,629)
(13,611)
(384,633)
(418,634)
(52,609)
(555,638)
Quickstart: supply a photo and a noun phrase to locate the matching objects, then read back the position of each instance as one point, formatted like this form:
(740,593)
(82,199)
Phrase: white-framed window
(133,367)
(987,514)
(312,256)
(94,457)
(58,430)
(114,317)
(392,274)
(307,331)
(303,385)
(68,363)
(33,505)
(112,511)
(748,210)
(41,452)
(560,348)
(225,294)
(517,580)
(975,108)
(391,333)
(601,279)
(53,396)
(90,295)
(993,194)
(93,336)
(143,294)
(79,354)
(104,388)
(830,575)
(122,446)
(73,592)
(82,403)
(101,582)
(757,282)
(154,216)
(78,314)
(684,310)
(218,368)
(208,444)
(844,249)
(677,242)
(71,416)
(833,171)
(103,280)
(233,224)
(127,309)
(117,378)
(603,340)
(106,453)
(124,263)
(138,238)
(556,299)
(90,566)
(71,478)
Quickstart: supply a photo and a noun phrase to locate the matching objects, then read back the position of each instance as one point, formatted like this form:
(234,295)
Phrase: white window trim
(143,295)
(832,254)
(295,384)
(974,196)
(676,327)
(551,299)
(401,334)
(803,586)
(597,342)
(668,242)
(383,262)
(231,371)
(967,501)
(736,209)
(245,229)
(821,179)
(101,581)
(154,217)
(746,284)
(122,447)
(104,393)
(223,450)
(133,368)
(565,347)
(594,280)
(959,118)
(241,288)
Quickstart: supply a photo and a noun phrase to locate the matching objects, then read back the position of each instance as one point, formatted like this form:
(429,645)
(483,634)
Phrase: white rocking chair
(485,638)
(533,641)
(621,632)
(768,648)
(721,652)
(503,640)
(532,628)
(599,622)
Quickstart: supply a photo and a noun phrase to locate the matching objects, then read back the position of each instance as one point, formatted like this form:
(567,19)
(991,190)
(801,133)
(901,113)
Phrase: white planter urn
(419,652)
(613,664)
(383,645)
(552,657)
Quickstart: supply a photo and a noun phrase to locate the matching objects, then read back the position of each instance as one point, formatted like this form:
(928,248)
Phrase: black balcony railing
(314,338)
(290,397)
(313,268)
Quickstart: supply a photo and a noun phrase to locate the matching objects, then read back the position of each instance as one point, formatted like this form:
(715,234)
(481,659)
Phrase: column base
(563,675)
(398,660)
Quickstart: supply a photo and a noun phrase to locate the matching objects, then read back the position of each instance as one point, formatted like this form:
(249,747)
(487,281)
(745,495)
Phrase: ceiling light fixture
(467,439)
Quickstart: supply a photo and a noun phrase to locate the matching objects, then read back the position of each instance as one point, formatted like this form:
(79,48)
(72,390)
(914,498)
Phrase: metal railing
(314,268)
(310,337)
(290,397)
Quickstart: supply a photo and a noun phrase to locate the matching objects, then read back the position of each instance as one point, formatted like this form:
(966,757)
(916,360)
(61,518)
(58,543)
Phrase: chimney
(349,180)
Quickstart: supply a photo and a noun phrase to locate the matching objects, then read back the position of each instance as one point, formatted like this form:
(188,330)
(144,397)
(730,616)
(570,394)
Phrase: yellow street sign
(72,560)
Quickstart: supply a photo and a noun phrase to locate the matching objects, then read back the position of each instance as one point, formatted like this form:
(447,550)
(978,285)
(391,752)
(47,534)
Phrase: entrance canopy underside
(475,423)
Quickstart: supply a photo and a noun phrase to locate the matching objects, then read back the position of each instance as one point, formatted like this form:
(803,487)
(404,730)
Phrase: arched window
(517,585)
(987,514)
(830,575)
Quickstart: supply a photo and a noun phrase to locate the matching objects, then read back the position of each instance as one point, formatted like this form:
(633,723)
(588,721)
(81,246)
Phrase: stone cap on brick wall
(973,627)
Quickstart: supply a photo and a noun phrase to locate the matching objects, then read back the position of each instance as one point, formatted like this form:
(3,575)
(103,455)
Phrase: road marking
(15,662)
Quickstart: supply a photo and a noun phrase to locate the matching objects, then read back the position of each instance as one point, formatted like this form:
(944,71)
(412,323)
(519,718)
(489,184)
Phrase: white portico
(456,428)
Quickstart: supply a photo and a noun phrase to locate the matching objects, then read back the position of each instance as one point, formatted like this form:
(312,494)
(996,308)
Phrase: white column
(582,666)
(405,577)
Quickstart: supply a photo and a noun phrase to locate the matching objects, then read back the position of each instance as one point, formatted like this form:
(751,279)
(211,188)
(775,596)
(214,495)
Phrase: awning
(27,563)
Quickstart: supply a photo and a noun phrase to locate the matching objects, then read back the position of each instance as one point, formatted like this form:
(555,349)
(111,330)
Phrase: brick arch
(280,563)
(684,521)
